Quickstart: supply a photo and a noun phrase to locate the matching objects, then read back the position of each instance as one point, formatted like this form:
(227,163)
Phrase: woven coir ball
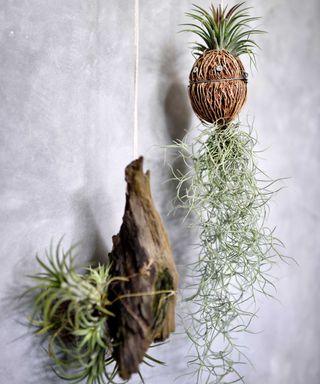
(218,86)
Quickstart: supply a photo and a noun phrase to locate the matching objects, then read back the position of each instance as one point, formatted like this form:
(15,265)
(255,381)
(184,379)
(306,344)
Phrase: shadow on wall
(176,104)
(93,246)
(177,109)
(177,113)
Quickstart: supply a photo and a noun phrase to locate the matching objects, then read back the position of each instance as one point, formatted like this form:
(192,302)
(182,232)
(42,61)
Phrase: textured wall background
(66,112)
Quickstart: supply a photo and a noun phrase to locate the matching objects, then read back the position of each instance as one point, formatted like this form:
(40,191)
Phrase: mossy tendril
(228,195)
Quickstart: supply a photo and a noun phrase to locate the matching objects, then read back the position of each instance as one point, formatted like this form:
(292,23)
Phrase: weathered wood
(145,308)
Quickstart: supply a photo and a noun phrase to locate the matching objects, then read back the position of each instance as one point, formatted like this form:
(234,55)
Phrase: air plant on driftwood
(100,324)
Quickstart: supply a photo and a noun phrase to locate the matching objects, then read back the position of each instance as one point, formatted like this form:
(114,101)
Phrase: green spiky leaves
(223,28)
(71,310)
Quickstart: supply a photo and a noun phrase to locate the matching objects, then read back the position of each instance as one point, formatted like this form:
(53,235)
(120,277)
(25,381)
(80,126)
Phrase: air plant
(218,81)
(72,311)
(223,28)
(227,195)
(100,324)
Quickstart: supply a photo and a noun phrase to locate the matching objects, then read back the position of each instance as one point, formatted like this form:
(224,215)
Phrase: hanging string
(136,78)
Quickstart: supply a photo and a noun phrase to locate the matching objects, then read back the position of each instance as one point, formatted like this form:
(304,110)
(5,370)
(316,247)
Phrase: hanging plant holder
(227,195)
(108,317)
(218,86)
(218,81)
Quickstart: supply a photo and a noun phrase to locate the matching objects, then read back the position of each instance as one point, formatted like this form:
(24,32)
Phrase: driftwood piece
(145,304)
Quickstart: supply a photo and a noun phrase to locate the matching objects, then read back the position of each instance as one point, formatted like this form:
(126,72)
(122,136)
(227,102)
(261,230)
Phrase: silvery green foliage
(228,195)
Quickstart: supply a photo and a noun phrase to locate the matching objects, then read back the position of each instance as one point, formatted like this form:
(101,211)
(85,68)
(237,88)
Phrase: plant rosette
(218,81)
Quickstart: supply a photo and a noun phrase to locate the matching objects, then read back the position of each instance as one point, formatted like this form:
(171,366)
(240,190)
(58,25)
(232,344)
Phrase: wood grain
(145,308)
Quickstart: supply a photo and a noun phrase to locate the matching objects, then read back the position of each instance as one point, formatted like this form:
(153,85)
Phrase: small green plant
(223,28)
(228,196)
(71,310)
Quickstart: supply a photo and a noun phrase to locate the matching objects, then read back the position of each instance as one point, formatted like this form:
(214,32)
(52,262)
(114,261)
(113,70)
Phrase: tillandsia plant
(100,324)
(227,194)
(72,311)
(223,28)
(218,81)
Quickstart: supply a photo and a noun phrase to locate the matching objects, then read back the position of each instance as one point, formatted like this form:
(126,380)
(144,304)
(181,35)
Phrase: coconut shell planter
(218,86)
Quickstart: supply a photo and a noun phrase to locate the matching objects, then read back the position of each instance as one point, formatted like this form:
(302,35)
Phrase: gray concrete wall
(66,112)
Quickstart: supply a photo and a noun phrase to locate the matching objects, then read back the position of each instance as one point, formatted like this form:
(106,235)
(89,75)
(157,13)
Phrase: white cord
(136,78)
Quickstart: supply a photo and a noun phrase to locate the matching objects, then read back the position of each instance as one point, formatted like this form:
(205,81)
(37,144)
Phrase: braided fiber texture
(221,100)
